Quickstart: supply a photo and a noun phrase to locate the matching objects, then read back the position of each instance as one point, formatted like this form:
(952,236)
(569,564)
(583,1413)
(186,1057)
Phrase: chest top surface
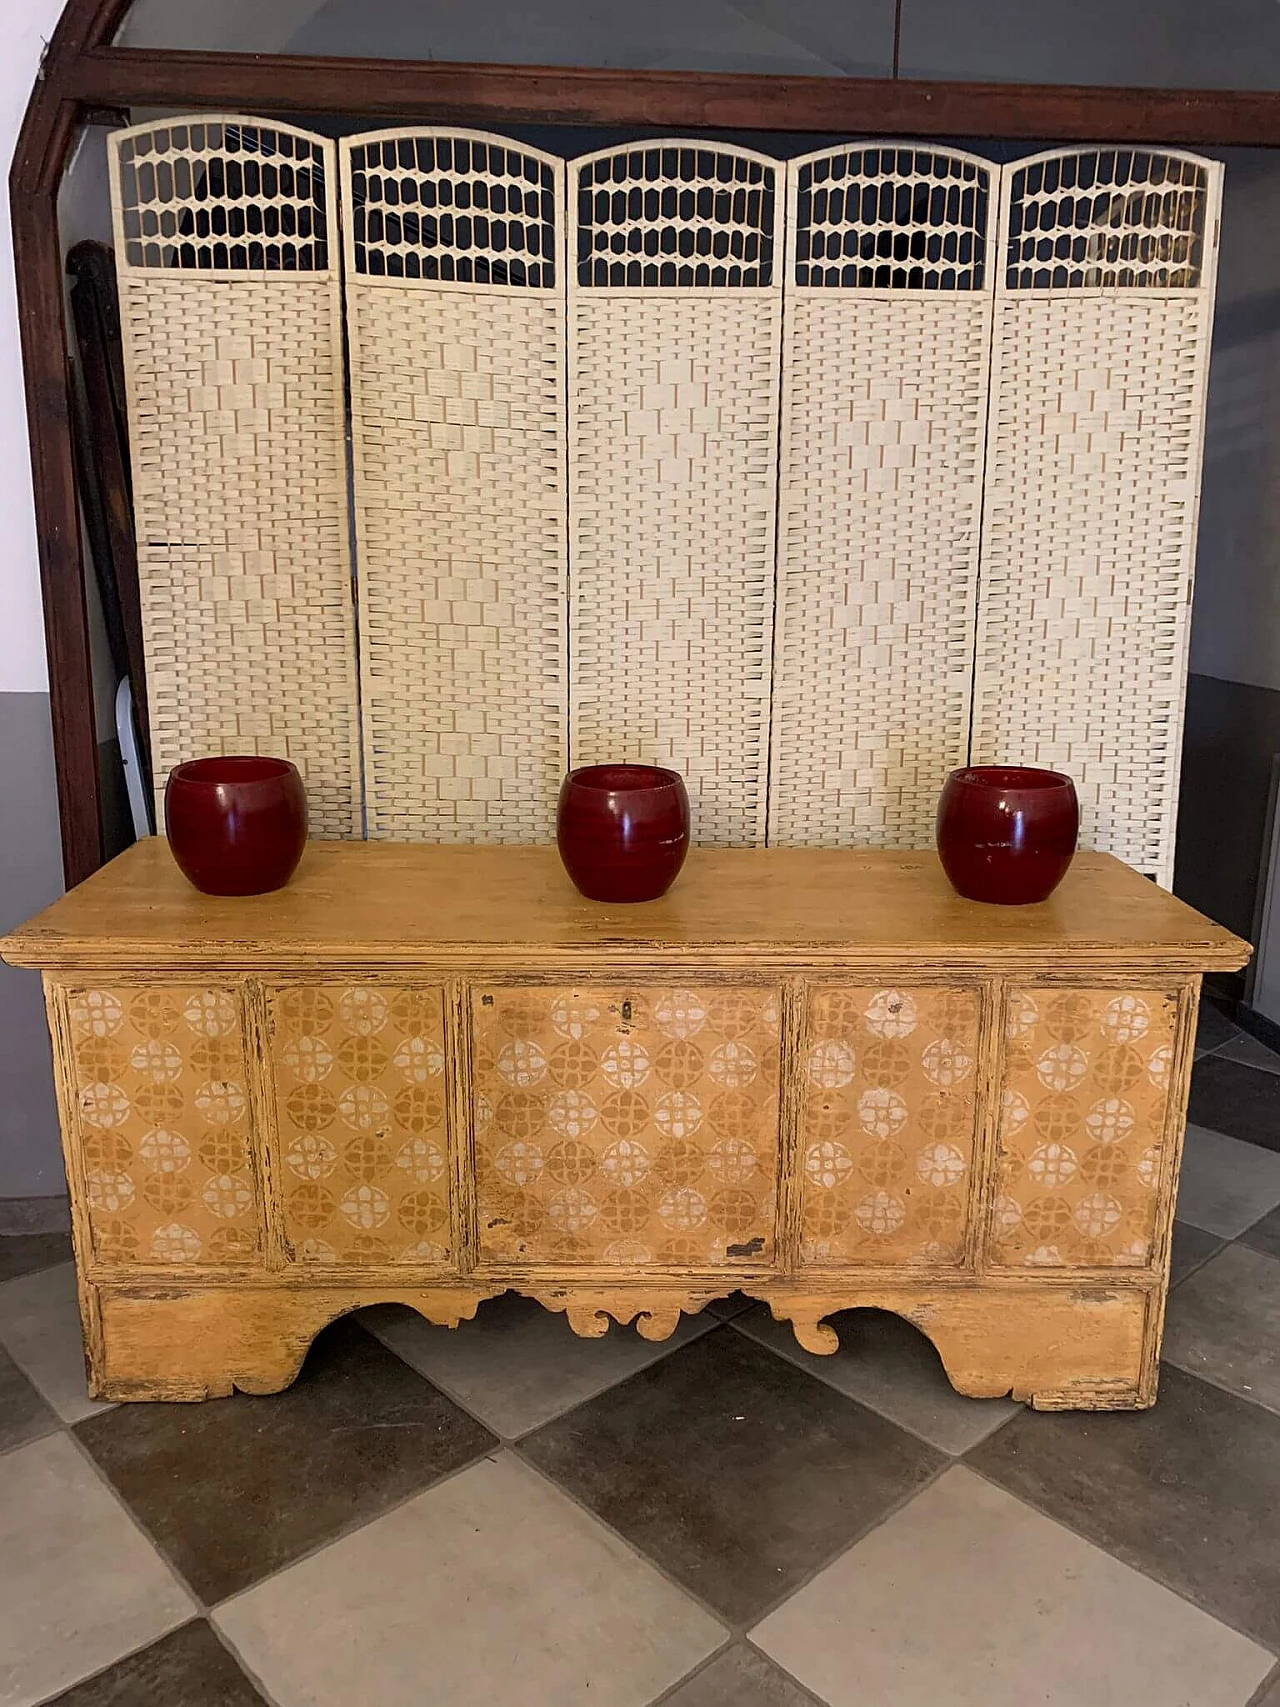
(391,904)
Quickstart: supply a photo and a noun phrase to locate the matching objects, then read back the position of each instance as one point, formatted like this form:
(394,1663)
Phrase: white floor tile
(969,1598)
(889,1366)
(40,1327)
(518,1365)
(490,1590)
(80,1586)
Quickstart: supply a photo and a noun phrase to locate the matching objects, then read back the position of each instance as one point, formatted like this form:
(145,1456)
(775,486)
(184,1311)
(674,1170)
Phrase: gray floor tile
(518,1599)
(740,1677)
(40,1327)
(1226,1184)
(969,1598)
(1242,1101)
(358,1431)
(725,1309)
(189,1668)
(890,1366)
(1191,1247)
(23,1413)
(1264,1235)
(79,1586)
(1186,1492)
(1250,1052)
(25,1253)
(518,1365)
(732,1469)
(1213,1028)
(1268,1697)
(1224,1324)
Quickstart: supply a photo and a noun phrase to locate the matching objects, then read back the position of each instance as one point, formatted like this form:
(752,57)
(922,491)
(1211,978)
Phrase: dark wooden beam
(38,263)
(44,144)
(671,100)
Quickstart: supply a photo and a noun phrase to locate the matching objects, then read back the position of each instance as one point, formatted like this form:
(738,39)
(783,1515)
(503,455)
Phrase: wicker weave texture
(673,412)
(233,356)
(886,356)
(457,331)
(1092,496)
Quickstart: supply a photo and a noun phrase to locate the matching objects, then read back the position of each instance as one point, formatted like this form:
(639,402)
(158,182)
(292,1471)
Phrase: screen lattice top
(897,218)
(453,209)
(223,195)
(1122,218)
(676,215)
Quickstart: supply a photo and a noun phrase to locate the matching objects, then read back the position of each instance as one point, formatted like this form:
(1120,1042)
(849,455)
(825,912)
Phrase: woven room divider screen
(951,414)
(886,353)
(456,320)
(231,319)
(1104,309)
(675,318)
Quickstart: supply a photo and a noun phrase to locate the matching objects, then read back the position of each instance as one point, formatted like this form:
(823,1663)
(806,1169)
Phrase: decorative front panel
(629,1127)
(886,353)
(675,308)
(889,1118)
(1099,365)
(230,308)
(162,1120)
(362,1129)
(1082,1126)
(456,320)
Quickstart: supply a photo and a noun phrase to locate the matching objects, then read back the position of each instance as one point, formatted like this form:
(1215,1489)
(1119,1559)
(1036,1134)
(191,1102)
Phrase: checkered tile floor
(508,1516)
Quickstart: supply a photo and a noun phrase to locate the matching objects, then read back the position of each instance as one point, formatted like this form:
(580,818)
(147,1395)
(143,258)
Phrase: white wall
(25,27)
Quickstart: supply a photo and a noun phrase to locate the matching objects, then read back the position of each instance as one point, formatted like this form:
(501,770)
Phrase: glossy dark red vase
(623,830)
(236,826)
(1007,833)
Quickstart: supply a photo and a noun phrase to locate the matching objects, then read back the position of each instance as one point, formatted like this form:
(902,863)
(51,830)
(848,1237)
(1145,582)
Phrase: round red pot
(237,826)
(1007,833)
(623,830)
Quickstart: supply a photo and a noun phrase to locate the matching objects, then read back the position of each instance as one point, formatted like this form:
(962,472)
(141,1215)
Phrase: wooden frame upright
(83,77)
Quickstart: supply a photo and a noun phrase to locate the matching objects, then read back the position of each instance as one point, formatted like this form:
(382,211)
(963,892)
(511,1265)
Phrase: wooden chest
(430,1074)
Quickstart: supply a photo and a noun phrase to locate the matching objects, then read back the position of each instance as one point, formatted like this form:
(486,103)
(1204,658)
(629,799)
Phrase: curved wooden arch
(83,77)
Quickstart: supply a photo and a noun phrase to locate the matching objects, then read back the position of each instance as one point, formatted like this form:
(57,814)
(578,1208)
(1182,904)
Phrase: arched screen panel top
(886,352)
(230,302)
(453,207)
(1100,356)
(891,216)
(223,194)
(1116,219)
(456,323)
(677,215)
(675,314)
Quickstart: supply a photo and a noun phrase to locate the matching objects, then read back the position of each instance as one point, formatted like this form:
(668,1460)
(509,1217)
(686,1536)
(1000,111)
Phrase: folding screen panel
(227,255)
(1100,358)
(886,354)
(455,313)
(674,337)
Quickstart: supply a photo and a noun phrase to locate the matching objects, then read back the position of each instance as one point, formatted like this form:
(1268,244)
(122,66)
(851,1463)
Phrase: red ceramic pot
(1007,833)
(237,826)
(623,830)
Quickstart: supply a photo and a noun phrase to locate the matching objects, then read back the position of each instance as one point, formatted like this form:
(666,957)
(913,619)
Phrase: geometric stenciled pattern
(361,1123)
(627,1127)
(887,1141)
(163,1108)
(1082,1117)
